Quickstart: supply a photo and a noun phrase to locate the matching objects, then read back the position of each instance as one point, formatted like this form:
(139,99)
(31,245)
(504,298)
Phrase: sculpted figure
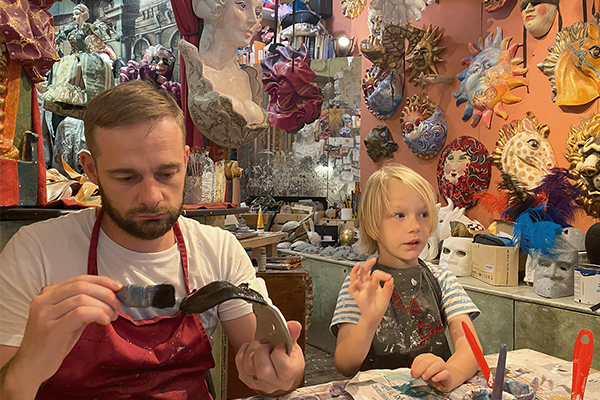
(538,15)
(224,99)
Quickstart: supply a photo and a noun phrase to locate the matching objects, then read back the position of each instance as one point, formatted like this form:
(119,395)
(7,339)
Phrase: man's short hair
(375,197)
(129,104)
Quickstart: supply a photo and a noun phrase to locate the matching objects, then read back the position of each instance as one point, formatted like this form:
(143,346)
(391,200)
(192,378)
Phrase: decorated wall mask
(524,152)
(492,72)
(379,143)
(573,64)
(538,15)
(424,56)
(583,154)
(463,170)
(425,127)
(493,5)
(457,255)
(400,12)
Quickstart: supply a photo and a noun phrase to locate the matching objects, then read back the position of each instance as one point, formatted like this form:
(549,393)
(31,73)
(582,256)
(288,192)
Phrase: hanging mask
(493,5)
(379,143)
(583,153)
(425,127)
(492,71)
(383,85)
(573,65)
(538,15)
(401,11)
(524,152)
(457,255)
(463,170)
(423,57)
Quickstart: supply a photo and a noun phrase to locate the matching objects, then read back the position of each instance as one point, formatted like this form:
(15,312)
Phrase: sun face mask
(573,64)
(493,5)
(492,72)
(425,127)
(379,143)
(524,152)
(538,15)
(424,56)
(463,170)
(583,153)
(457,255)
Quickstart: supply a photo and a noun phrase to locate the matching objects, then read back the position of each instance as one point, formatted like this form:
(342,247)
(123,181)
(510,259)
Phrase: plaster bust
(538,16)
(225,100)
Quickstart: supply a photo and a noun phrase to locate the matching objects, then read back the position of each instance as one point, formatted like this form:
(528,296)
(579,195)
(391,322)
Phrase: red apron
(162,358)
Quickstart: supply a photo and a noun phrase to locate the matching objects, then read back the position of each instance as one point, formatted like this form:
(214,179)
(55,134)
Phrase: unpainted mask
(379,143)
(457,255)
(538,16)
(554,276)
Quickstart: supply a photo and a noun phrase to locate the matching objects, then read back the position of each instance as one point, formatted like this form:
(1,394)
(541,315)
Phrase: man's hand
(365,289)
(57,317)
(433,370)
(272,372)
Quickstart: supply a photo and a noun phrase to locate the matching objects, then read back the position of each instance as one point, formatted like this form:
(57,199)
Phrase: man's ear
(89,166)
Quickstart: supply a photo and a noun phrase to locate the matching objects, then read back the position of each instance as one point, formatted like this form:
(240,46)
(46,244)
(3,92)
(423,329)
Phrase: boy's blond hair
(375,196)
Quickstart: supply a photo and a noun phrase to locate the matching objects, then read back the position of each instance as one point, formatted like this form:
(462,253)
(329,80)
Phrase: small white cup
(346,213)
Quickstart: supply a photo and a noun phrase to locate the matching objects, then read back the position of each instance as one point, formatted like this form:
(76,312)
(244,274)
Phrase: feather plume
(561,196)
(494,204)
(534,230)
(519,197)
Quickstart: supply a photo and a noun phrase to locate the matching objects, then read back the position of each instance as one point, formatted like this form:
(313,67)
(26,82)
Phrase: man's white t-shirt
(52,251)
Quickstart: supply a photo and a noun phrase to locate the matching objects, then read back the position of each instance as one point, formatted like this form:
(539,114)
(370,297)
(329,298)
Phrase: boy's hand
(365,289)
(433,370)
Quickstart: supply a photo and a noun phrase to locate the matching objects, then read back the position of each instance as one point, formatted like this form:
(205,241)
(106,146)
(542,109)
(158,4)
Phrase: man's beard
(142,229)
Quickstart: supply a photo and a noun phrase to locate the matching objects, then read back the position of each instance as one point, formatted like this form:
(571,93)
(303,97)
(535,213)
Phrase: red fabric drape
(189,26)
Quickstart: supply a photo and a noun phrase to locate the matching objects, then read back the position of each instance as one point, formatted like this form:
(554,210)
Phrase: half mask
(425,127)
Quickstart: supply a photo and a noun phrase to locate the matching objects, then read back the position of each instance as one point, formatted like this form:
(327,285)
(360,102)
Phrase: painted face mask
(493,5)
(383,85)
(463,170)
(554,276)
(456,255)
(425,54)
(538,15)
(379,143)
(573,65)
(492,72)
(583,153)
(425,127)
(524,152)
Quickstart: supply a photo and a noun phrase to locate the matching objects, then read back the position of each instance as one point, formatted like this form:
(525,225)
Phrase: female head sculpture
(583,154)
(573,64)
(162,59)
(524,152)
(538,15)
(492,72)
(463,170)
(224,100)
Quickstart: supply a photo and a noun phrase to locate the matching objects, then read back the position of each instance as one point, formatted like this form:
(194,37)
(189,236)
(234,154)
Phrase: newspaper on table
(538,376)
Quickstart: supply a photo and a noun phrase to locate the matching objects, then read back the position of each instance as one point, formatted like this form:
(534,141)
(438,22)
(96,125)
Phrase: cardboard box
(496,265)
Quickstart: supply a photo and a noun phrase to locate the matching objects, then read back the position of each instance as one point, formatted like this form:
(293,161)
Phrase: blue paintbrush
(500,370)
(142,296)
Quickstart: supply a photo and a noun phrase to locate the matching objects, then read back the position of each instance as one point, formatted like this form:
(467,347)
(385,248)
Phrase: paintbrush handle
(582,359)
(483,365)
(500,370)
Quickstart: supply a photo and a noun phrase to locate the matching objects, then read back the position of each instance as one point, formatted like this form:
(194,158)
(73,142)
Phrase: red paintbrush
(582,359)
(483,365)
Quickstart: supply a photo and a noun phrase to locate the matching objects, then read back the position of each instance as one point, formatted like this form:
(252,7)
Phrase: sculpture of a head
(379,143)
(463,170)
(80,14)
(234,21)
(538,15)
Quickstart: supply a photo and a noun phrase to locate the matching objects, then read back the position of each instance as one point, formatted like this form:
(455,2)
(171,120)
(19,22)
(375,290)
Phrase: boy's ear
(89,166)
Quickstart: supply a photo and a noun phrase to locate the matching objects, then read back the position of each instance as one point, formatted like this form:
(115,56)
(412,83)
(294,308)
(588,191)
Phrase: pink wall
(465,21)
